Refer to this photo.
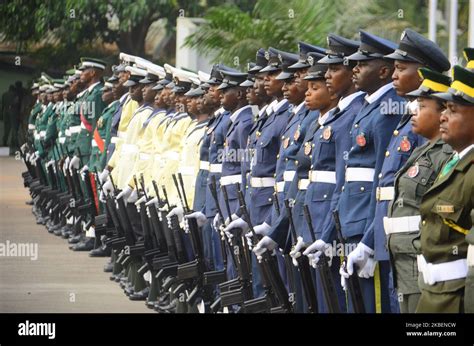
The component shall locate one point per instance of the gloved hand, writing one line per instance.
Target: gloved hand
(230, 219)
(125, 193)
(237, 223)
(23, 147)
(74, 163)
(178, 211)
(49, 163)
(133, 196)
(262, 229)
(201, 219)
(359, 256)
(266, 243)
(344, 277)
(140, 201)
(367, 271)
(216, 223)
(296, 250)
(66, 163)
(107, 188)
(315, 250)
(83, 169)
(27, 157)
(153, 201)
(104, 175)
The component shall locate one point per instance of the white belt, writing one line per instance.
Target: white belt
(83, 126)
(231, 179)
(129, 148)
(187, 170)
(37, 136)
(360, 174)
(215, 168)
(121, 134)
(402, 224)
(172, 155)
(204, 165)
(31, 126)
(280, 186)
(288, 175)
(62, 140)
(43, 133)
(385, 193)
(433, 273)
(94, 143)
(303, 184)
(75, 129)
(68, 133)
(144, 156)
(322, 177)
(114, 140)
(470, 255)
(262, 182)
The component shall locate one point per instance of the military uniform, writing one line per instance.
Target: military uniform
(446, 220)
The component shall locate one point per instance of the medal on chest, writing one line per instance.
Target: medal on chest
(327, 132)
(286, 142)
(361, 140)
(405, 144)
(297, 133)
(100, 122)
(307, 148)
(413, 171)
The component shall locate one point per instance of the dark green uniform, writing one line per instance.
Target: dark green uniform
(411, 182)
(469, 290)
(446, 219)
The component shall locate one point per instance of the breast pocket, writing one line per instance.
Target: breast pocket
(449, 212)
(266, 150)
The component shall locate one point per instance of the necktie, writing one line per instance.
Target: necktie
(449, 165)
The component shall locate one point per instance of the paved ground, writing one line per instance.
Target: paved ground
(60, 280)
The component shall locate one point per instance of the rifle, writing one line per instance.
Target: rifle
(303, 267)
(175, 229)
(127, 225)
(329, 289)
(156, 222)
(268, 263)
(353, 285)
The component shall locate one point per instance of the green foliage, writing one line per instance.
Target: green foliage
(234, 35)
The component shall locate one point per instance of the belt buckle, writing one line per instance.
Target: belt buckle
(378, 193)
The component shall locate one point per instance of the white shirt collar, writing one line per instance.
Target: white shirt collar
(280, 104)
(298, 108)
(81, 93)
(89, 89)
(236, 114)
(262, 111)
(123, 97)
(465, 151)
(346, 101)
(379, 93)
(219, 111)
(322, 118)
(271, 106)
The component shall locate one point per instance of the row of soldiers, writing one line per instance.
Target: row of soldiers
(338, 179)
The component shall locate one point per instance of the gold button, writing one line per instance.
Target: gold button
(274, 175)
(380, 175)
(310, 156)
(313, 145)
(320, 136)
(246, 186)
(278, 156)
(325, 196)
(395, 133)
(296, 161)
(269, 199)
(362, 188)
(387, 153)
(282, 137)
(342, 188)
(356, 126)
(286, 159)
(311, 166)
(423, 222)
(398, 149)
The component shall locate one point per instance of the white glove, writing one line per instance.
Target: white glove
(296, 251)
(216, 223)
(125, 193)
(367, 271)
(359, 256)
(133, 196)
(107, 188)
(262, 229)
(66, 163)
(237, 223)
(153, 201)
(201, 219)
(49, 163)
(104, 175)
(74, 163)
(27, 157)
(230, 219)
(140, 201)
(344, 277)
(37, 154)
(84, 168)
(315, 250)
(102, 197)
(266, 243)
(178, 211)
(23, 147)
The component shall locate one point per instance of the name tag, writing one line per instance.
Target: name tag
(445, 208)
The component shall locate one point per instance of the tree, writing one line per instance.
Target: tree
(234, 35)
